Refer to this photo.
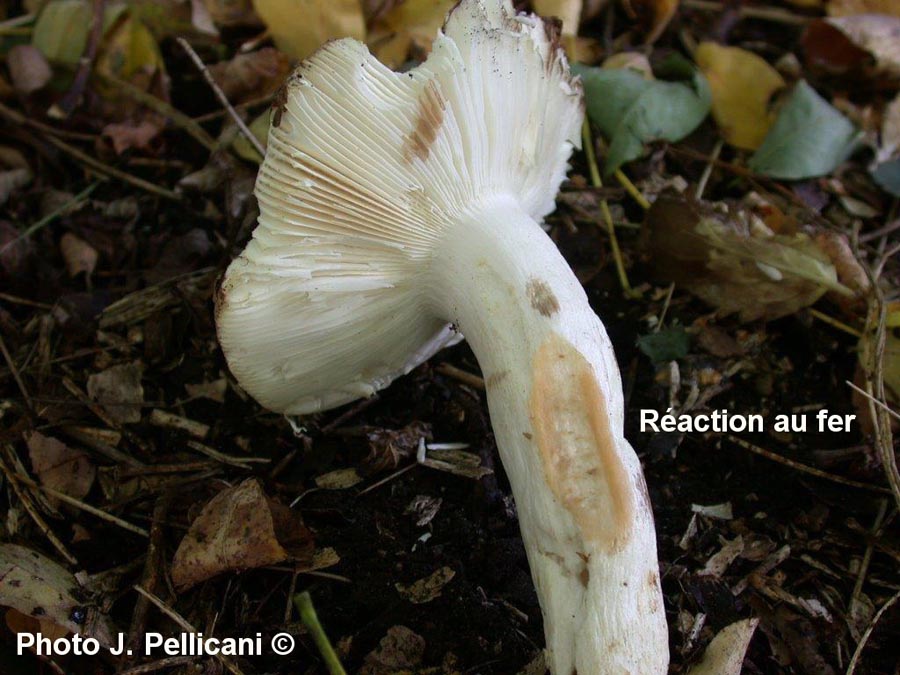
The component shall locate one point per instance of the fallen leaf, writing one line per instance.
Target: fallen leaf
(21, 623)
(59, 467)
(849, 7)
(339, 479)
(213, 390)
(670, 344)
(401, 649)
(232, 12)
(128, 135)
(717, 564)
(128, 49)
(424, 508)
(299, 27)
(12, 180)
(118, 390)
(28, 68)
(78, 255)
(61, 30)
(632, 61)
(251, 75)
(653, 15)
(389, 447)
(809, 138)
(742, 85)
(457, 462)
(567, 11)
(725, 654)
(237, 530)
(632, 111)
(427, 589)
(41, 588)
(409, 26)
(841, 43)
(886, 167)
(730, 259)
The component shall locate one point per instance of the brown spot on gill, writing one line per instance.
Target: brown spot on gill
(541, 297)
(584, 576)
(581, 462)
(429, 119)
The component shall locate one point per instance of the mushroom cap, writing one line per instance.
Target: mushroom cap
(366, 171)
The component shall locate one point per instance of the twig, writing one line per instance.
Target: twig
(254, 141)
(185, 122)
(185, 626)
(707, 171)
(95, 164)
(588, 143)
(459, 374)
(23, 496)
(15, 372)
(70, 100)
(812, 471)
(880, 404)
(304, 605)
(851, 668)
(69, 205)
(867, 556)
(16, 300)
(831, 321)
(631, 189)
(93, 510)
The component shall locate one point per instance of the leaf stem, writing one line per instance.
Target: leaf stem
(303, 603)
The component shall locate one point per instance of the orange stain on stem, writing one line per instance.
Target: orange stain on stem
(572, 433)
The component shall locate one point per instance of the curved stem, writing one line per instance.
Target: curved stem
(555, 398)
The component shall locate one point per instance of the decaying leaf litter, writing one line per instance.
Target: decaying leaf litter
(743, 184)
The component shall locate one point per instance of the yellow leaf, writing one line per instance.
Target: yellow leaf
(299, 27)
(742, 85)
(567, 11)
(410, 25)
(127, 49)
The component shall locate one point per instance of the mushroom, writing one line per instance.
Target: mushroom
(398, 210)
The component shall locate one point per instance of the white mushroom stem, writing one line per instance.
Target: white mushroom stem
(555, 399)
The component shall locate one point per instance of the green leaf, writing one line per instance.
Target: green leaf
(62, 27)
(887, 175)
(809, 138)
(666, 345)
(632, 111)
(260, 129)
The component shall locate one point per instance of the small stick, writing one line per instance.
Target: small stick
(70, 204)
(459, 374)
(70, 100)
(597, 182)
(16, 300)
(631, 189)
(15, 372)
(93, 510)
(867, 556)
(33, 512)
(851, 668)
(304, 605)
(812, 471)
(831, 321)
(183, 623)
(707, 171)
(254, 141)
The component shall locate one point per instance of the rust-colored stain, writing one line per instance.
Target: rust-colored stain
(429, 119)
(581, 464)
(541, 297)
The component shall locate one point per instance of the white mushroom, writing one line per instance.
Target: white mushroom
(396, 208)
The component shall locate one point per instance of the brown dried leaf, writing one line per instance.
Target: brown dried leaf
(213, 390)
(59, 467)
(339, 479)
(388, 447)
(845, 44)
(28, 68)
(733, 261)
(401, 649)
(725, 654)
(232, 12)
(12, 180)
(252, 75)
(138, 135)
(427, 589)
(118, 389)
(79, 255)
(238, 529)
